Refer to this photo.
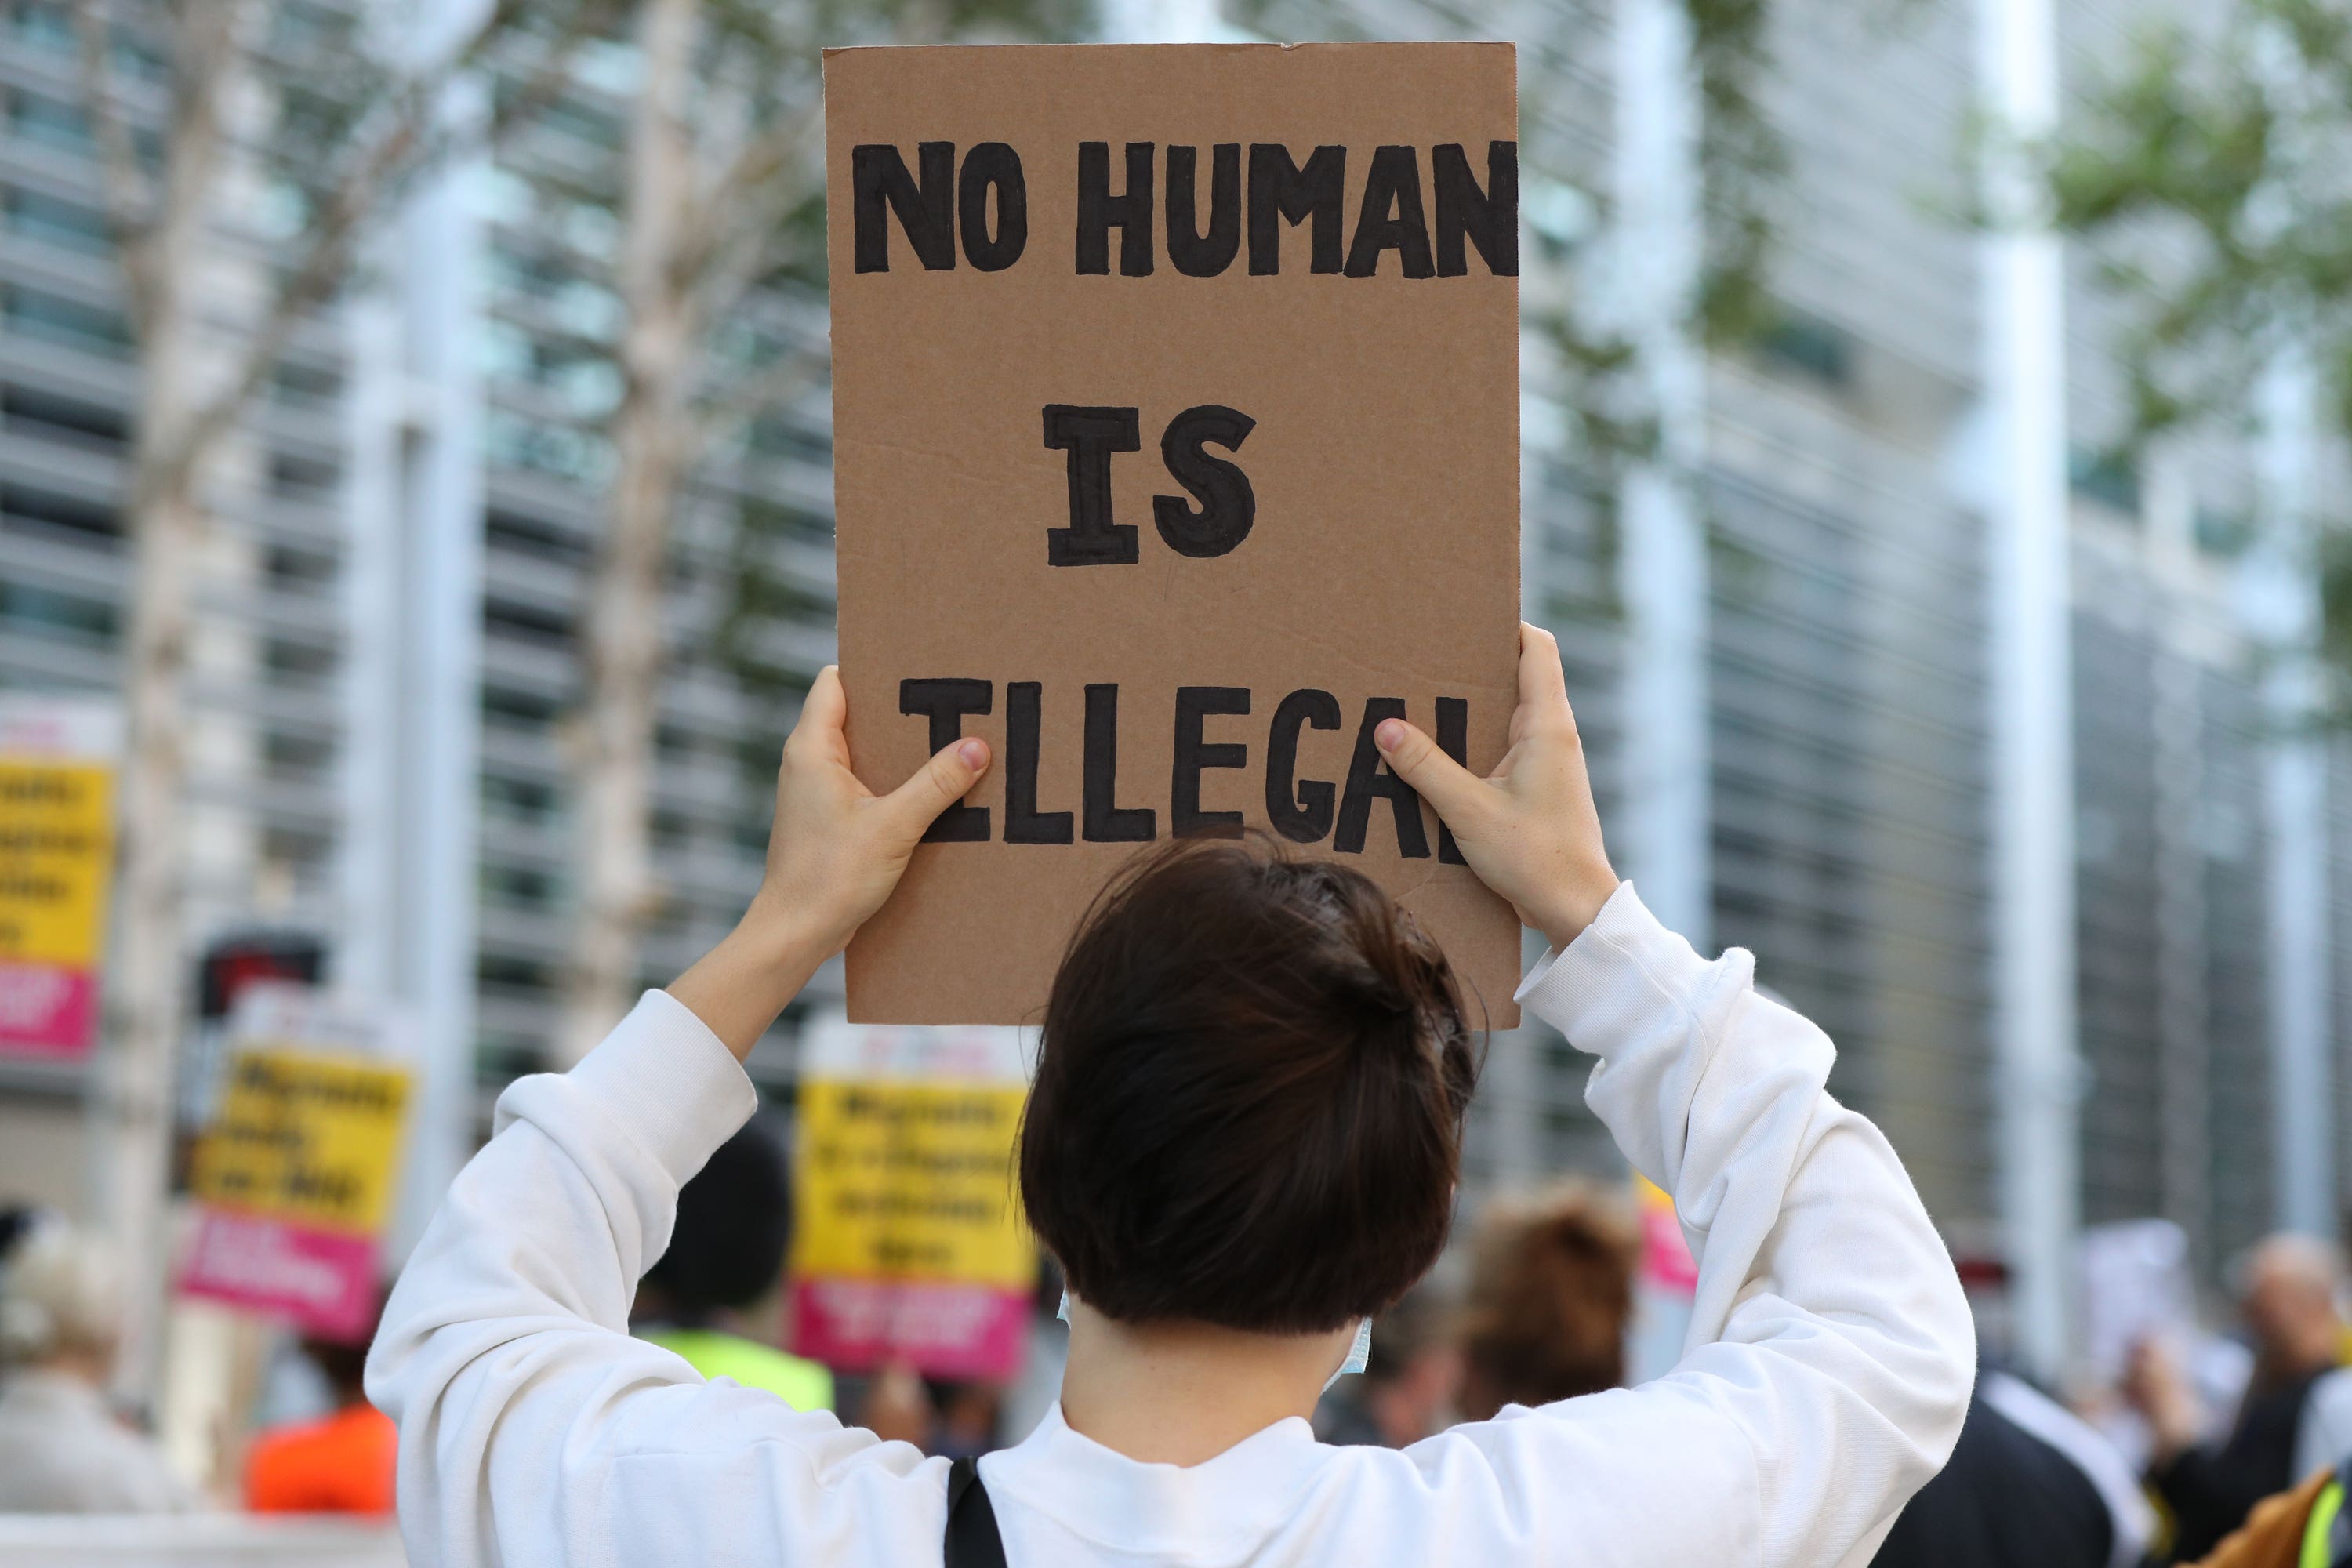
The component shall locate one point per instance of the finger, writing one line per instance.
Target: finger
(1543, 688)
(938, 783)
(825, 714)
(1446, 784)
(1540, 678)
(824, 710)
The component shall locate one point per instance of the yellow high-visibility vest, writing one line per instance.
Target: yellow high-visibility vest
(803, 1385)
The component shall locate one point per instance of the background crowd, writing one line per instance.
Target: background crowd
(2210, 1449)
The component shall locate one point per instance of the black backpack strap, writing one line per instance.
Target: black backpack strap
(971, 1538)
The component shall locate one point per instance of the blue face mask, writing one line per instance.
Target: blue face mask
(1360, 1354)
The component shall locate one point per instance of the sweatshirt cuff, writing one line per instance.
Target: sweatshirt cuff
(662, 1074)
(1607, 982)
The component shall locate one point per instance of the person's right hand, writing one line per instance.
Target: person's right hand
(835, 852)
(2156, 1382)
(837, 848)
(1530, 829)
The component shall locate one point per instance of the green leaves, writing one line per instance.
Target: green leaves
(2209, 174)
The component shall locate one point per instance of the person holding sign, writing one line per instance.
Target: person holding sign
(1243, 1141)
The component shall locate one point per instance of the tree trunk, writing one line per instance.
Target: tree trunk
(621, 636)
(163, 520)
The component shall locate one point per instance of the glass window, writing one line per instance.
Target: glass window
(43, 25)
(62, 418)
(49, 121)
(54, 222)
(58, 320)
(517, 709)
(25, 607)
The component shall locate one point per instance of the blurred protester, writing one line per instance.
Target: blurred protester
(2030, 1486)
(341, 1463)
(1409, 1382)
(1551, 1289)
(897, 1406)
(2296, 1417)
(966, 1427)
(960, 1418)
(726, 1256)
(61, 1448)
(2305, 1527)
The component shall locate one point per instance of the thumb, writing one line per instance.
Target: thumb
(1446, 784)
(938, 785)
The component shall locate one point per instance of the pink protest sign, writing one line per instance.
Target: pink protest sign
(943, 1330)
(294, 1170)
(47, 1011)
(1666, 1260)
(323, 1281)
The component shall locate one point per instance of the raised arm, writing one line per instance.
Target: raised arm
(1830, 1356)
(532, 1428)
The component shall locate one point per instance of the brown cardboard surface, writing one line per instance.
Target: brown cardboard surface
(1382, 560)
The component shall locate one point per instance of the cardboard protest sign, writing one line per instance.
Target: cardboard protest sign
(56, 853)
(1176, 444)
(907, 1241)
(294, 1174)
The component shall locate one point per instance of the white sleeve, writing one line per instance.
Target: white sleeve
(1830, 1352)
(532, 1428)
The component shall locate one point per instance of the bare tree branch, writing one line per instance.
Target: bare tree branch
(793, 372)
(718, 225)
(126, 188)
(408, 143)
(307, 287)
(590, 19)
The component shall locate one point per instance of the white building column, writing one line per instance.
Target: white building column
(2184, 1021)
(375, 404)
(2284, 603)
(415, 778)
(2038, 1069)
(1664, 844)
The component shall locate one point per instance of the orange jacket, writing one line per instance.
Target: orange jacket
(343, 1464)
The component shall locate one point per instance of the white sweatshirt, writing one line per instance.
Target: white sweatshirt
(1827, 1373)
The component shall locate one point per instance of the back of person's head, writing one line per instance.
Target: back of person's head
(1552, 1288)
(61, 1293)
(2290, 1287)
(734, 1221)
(342, 1360)
(1249, 1096)
(16, 1219)
(343, 1365)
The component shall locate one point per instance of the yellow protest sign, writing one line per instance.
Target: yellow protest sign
(310, 1137)
(910, 1180)
(57, 844)
(56, 852)
(909, 1243)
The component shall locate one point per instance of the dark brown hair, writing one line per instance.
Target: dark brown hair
(1551, 1285)
(1249, 1096)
